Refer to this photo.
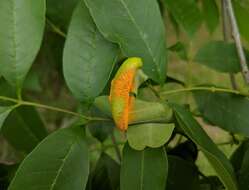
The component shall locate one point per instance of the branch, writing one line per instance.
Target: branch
(56, 29)
(236, 36)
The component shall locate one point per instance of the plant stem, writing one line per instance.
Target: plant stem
(56, 29)
(211, 89)
(38, 105)
(226, 35)
(236, 36)
(115, 143)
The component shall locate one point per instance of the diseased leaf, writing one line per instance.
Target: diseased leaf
(138, 172)
(230, 112)
(220, 56)
(186, 13)
(142, 111)
(151, 135)
(60, 162)
(88, 58)
(22, 25)
(138, 30)
(217, 159)
(24, 129)
(210, 14)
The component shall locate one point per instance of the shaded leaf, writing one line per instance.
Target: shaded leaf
(138, 172)
(180, 49)
(88, 58)
(220, 56)
(4, 112)
(182, 175)
(210, 14)
(151, 135)
(24, 129)
(186, 13)
(20, 20)
(59, 162)
(217, 159)
(230, 112)
(106, 174)
(129, 29)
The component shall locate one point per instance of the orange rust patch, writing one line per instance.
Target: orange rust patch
(120, 91)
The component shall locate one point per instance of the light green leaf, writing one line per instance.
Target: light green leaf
(4, 112)
(186, 13)
(151, 135)
(60, 162)
(220, 56)
(227, 111)
(21, 32)
(210, 14)
(88, 57)
(142, 111)
(241, 9)
(217, 159)
(144, 170)
(137, 27)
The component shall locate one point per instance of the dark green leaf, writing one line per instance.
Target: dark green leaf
(220, 56)
(106, 175)
(217, 159)
(151, 135)
(180, 49)
(182, 175)
(88, 57)
(22, 25)
(24, 129)
(60, 162)
(240, 160)
(241, 8)
(4, 112)
(210, 14)
(186, 13)
(228, 111)
(60, 12)
(144, 170)
(138, 30)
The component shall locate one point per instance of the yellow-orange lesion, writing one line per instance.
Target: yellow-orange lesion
(120, 96)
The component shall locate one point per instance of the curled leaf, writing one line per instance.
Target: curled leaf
(122, 87)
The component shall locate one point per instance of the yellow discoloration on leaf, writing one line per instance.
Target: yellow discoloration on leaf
(121, 86)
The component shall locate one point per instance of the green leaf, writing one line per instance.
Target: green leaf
(151, 135)
(106, 174)
(210, 14)
(88, 57)
(216, 158)
(230, 112)
(240, 160)
(182, 174)
(181, 50)
(59, 162)
(21, 32)
(144, 170)
(4, 112)
(220, 56)
(60, 12)
(24, 129)
(142, 111)
(186, 13)
(241, 9)
(138, 30)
